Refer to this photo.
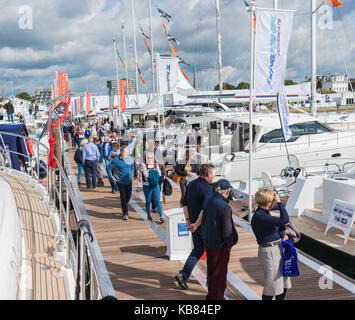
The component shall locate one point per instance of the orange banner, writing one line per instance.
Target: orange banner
(335, 3)
(88, 103)
(62, 84)
(123, 95)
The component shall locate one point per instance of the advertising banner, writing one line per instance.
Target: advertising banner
(283, 110)
(88, 102)
(62, 84)
(273, 32)
(122, 95)
(167, 69)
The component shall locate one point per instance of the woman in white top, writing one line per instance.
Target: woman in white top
(151, 188)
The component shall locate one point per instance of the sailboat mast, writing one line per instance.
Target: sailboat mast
(251, 98)
(135, 47)
(152, 46)
(125, 58)
(314, 58)
(218, 23)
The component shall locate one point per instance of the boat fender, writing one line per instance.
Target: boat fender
(228, 158)
(85, 224)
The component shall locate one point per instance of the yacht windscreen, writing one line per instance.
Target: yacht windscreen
(297, 129)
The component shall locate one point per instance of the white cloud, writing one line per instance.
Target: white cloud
(76, 36)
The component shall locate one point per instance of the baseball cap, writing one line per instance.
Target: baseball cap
(223, 184)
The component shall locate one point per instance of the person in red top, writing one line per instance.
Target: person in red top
(29, 145)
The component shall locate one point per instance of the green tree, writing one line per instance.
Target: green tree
(243, 85)
(289, 83)
(24, 96)
(226, 86)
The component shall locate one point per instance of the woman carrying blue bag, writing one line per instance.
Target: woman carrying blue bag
(150, 174)
(266, 230)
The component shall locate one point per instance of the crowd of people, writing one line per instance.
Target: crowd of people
(123, 156)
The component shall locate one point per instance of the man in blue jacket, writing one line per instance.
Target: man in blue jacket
(220, 235)
(197, 192)
(123, 172)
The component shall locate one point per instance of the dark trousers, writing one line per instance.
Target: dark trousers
(183, 186)
(217, 268)
(125, 195)
(196, 253)
(90, 170)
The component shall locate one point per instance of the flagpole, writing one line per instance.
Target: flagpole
(314, 58)
(152, 46)
(218, 23)
(135, 48)
(125, 58)
(252, 58)
(157, 62)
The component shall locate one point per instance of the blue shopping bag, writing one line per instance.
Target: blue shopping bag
(289, 259)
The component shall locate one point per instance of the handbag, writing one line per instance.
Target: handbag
(167, 188)
(176, 178)
(289, 259)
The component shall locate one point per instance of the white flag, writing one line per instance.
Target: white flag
(283, 109)
(273, 31)
(167, 69)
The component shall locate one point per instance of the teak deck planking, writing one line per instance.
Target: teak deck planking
(43, 281)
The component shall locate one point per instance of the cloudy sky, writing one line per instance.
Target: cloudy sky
(40, 37)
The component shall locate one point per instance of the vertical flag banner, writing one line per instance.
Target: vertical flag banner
(123, 95)
(273, 32)
(79, 105)
(62, 84)
(88, 103)
(167, 69)
(93, 104)
(283, 110)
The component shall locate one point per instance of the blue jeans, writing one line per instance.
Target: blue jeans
(10, 117)
(80, 171)
(151, 193)
(196, 253)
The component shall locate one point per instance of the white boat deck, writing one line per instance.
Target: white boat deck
(42, 271)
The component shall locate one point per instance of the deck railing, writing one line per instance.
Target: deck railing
(83, 255)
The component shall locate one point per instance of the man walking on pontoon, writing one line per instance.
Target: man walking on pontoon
(197, 193)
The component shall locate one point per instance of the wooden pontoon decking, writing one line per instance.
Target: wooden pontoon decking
(43, 279)
(139, 269)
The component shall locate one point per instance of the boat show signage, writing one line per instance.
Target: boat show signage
(167, 68)
(122, 86)
(341, 217)
(88, 102)
(273, 32)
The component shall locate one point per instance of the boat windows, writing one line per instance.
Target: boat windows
(298, 129)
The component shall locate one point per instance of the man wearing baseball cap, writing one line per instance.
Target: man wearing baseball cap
(220, 236)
